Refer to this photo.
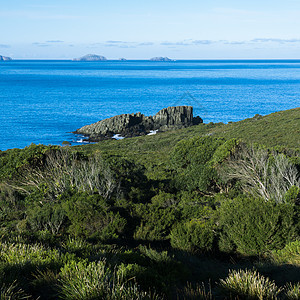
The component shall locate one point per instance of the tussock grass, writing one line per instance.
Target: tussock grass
(293, 291)
(250, 285)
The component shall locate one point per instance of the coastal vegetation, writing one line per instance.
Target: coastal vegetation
(205, 212)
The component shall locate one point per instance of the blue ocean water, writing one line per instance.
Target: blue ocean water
(44, 101)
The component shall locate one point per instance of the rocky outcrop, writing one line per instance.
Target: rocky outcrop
(161, 59)
(129, 125)
(2, 58)
(91, 57)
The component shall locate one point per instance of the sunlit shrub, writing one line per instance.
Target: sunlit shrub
(249, 285)
(190, 160)
(290, 254)
(253, 226)
(95, 280)
(22, 254)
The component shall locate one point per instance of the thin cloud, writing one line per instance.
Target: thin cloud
(55, 41)
(175, 44)
(272, 40)
(40, 44)
(146, 44)
(4, 46)
(235, 42)
(203, 42)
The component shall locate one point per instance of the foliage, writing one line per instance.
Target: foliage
(64, 170)
(156, 221)
(292, 291)
(194, 236)
(191, 161)
(197, 291)
(249, 285)
(253, 226)
(22, 254)
(290, 254)
(262, 174)
(95, 280)
(12, 292)
(75, 221)
(90, 217)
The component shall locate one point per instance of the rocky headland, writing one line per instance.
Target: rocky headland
(137, 124)
(5, 58)
(161, 59)
(90, 57)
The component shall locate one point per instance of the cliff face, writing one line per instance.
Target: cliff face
(129, 125)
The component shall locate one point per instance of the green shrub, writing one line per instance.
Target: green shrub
(191, 161)
(156, 221)
(90, 216)
(193, 205)
(194, 236)
(249, 285)
(290, 254)
(46, 216)
(254, 226)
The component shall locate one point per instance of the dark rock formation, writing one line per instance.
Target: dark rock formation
(129, 125)
(2, 58)
(160, 59)
(91, 57)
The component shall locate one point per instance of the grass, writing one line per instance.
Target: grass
(249, 285)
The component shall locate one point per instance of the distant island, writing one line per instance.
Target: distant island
(122, 59)
(2, 58)
(160, 58)
(91, 57)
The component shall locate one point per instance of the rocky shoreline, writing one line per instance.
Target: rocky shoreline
(137, 124)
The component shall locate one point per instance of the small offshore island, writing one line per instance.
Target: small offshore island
(95, 57)
(5, 58)
(137, 124)
(91, 57)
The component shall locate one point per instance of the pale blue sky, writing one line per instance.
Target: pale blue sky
(190, 29)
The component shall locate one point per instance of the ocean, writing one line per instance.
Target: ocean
(42, 102)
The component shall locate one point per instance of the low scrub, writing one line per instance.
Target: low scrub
(249, 285)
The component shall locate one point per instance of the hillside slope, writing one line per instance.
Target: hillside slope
(277, 129)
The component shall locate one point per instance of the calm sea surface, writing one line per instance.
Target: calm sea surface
(43, 101)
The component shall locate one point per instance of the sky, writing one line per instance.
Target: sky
(140, 29)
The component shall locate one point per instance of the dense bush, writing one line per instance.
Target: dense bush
(91, 217)
(253, 226)
(290, 254)
(191, 162)
(194, 236)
